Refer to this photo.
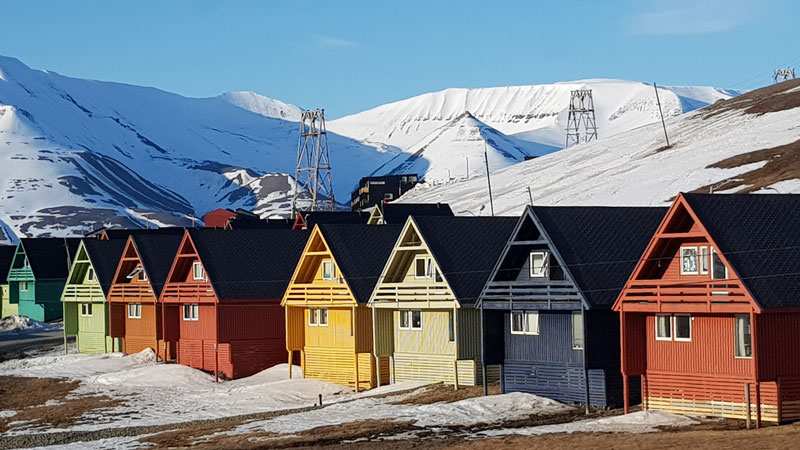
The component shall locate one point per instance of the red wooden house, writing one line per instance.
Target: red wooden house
(221, 302)
(134, 293)
(710, 316)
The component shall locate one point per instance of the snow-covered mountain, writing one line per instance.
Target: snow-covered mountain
(75, 154)
(750, 143)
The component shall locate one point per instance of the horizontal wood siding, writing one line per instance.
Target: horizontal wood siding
(252, 356)
(560, 381)
(710, 351)
(705, 395)
(334, 365)
(428, 368)
(92, 329)
(789, 391)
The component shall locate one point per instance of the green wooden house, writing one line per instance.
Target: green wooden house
(6, 255)
(38, 274)
(84, 296)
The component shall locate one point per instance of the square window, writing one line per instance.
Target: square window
(86, 309)
(525, 322)
(683, 327)
(134, 310)
(328, 271)
(191, 312)
(577, 330)
(742, 338)
(540, 264)
(689, 261)
(198, 274)
(663, 327)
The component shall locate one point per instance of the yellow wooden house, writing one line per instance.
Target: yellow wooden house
(327, 320)
(423, 307)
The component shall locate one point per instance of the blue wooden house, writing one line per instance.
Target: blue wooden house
(546, 307)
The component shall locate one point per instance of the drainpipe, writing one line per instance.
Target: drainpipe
(583, 355)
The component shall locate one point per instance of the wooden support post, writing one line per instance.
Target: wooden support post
(754, 337)
(291, 354)
(355, 343)
(455, 374)
(64, 315)
(747, 404)
(483, 354)
(216, 342)
(625, 394)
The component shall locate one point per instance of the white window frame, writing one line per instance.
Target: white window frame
(23, 286)
(86, 310)
(675, 328)
(90, 275)
(427, 262)
(696, 256)
(332, 272)
(25, 263)
(577, 324)
(313, 317)
(195, 266)
(736, 337)
(193, 310)
(711, 265)
(669, 327)
(409, 317)
(545, 270)
(525, 322)
(388, 196)
(323, 317)
(138, 274)
(703, 259)
(137, 311)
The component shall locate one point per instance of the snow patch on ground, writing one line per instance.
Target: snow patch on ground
(22, 324)
(638, 422)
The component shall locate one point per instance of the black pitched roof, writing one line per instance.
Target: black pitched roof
(123, 233)
(105, 256)
(399, 212)
(319, 217)
(466, 249)
(599, 245)
(248, 222)
(6, 258)
(760, 236)
(50, 258)
(157, 251)
(361, 252)
(249, 263)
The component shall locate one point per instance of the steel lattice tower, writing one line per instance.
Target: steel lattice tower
(313, 174)
(581, 125)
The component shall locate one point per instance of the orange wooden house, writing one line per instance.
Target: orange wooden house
(221, 302)
(710, 317)
(134, 293)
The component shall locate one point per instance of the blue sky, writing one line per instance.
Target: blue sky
(350, 56)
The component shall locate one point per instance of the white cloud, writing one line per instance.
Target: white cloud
(678, 17)
(329, 41)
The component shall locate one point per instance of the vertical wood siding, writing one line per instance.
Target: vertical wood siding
(384, 331)
(778, 345)
(634, 362)
(6, 307)
(710, 351)
(552, 344)
(469, 337)
(91, 330)
(432, 339)
(295, 328)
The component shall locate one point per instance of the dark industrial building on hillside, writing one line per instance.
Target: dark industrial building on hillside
(374, 190)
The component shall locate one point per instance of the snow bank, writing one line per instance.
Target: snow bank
(22, 324)
(638, 422)
(492, 408)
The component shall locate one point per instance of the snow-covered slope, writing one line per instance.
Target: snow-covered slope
(75, 154)
(747, 144)
(536, 113)
(448, 151)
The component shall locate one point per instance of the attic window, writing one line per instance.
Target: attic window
(540, 265)
(138, 274)
(423, 268)
(90, 275)
(328, 270)
(689, 261)
(718, 269)
(198, 274)
(25, 263)
(703, 260)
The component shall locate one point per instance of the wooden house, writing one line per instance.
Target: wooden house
(84, 297)
(6, 257)
(136, 287)
(375, 190)
(327, 318)
(397, 213)
(710, 316)
(547, 304)
(221, 303)
(38, 274)
(424, 310)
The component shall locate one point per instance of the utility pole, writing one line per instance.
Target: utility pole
(488, 177)
(313, 174)
(530, 195)
(466, 158)
(581, 118)
(663, 124)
